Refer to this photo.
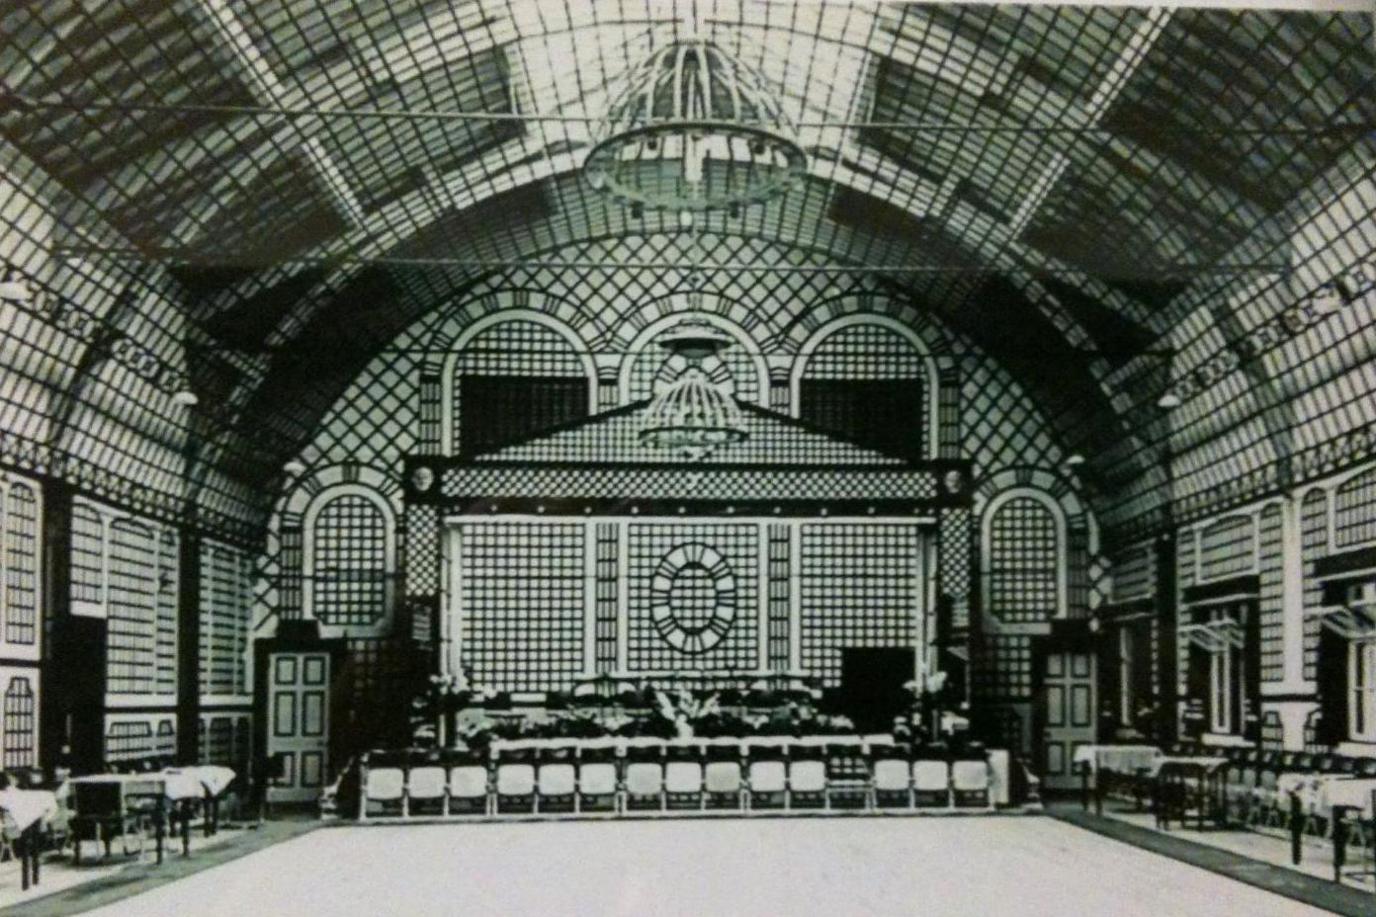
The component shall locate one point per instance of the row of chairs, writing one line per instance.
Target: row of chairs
(566, 780)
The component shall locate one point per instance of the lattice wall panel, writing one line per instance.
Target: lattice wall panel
(1314, 513)
(860, 588)
(422, 550)
(1024, 561)
(1354, 512)
(711, 596)
(1227, 548)
(349, 577)
(225, 619)
(956, 562)
(523, 599)
(20, 564)
(1271, 608)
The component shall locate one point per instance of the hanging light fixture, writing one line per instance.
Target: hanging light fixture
(693, 416)
(694, 128)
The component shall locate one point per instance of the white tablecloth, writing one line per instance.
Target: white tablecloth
(1207, 764)
(26, 807)
(1121, 759)
(1352, 792)
(197, 780)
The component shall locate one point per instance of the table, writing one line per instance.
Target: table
(28, 811)
(119, 799)
(1180, 772)
(1351, 795)
(1126, 761)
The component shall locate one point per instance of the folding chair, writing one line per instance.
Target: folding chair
(766, 776)
(683, 777)
(807, 777)
(644, 778)
(384, 788)
(468, 785)
(723, 778)
(556, 780)
(970, 783)
(931, 782)
(515, 781)
(597, 779)
(892, 776)
(427, 790)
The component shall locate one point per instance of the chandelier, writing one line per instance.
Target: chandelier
(693, 416)
(694, 128)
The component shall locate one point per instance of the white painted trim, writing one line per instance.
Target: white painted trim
(501, 518)
(1062, 543)
(762, 594)
(933, 376)
(589, 598)
(579, 346)
(636, 350)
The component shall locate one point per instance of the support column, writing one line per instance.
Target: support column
(189, 647)
(1167, 688)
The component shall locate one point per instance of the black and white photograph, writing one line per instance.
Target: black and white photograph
(699, 458)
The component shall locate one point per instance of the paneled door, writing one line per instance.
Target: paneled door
(1068, 690)
(298, 723)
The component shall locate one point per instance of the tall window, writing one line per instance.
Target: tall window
(1220, 690)
(1025, 557)
(1361, 682)
(19, 562)
(1125, 676)
(18, 724)
(349, 560)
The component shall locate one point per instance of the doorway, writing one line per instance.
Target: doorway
(1069, 703)
(298, 724)
(872, 680)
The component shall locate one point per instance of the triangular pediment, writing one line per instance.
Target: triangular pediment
(612, 437)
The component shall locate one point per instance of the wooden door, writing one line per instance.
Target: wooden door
(1068, 692)
(298, 723)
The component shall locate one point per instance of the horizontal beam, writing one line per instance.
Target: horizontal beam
(17, 100)
(180, 258)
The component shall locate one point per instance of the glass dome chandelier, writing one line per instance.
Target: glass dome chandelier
(693, 416)
(693, 128)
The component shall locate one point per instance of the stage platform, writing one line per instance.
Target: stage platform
(979, 866)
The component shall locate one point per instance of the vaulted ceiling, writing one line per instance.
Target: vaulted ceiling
(1040, 176)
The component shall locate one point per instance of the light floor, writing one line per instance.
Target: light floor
(931, 866)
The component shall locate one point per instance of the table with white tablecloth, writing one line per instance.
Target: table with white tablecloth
(24, 815)
(1119, 759)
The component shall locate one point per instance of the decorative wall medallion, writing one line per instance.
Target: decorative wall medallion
(422, 478)
(953, 481)
(693, 598)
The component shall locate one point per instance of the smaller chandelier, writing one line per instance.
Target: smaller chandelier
(693, 416)
(694, 128)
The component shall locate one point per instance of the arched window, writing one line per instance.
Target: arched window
(513, 378)
(868, 381)
(1024, 557)
(19, 739)
(348, 557)
(21, 566)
